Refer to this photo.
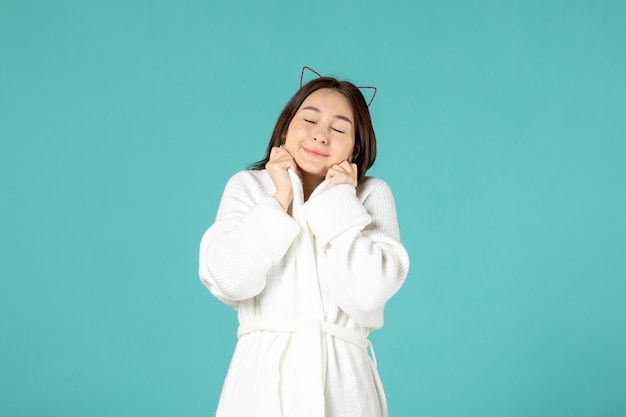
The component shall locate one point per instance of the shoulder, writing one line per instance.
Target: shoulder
(250, 179)
(244, 190)
(374, 187)
(375, 192)
(250, 175)
(374, 183)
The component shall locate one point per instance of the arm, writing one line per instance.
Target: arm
(250, 234)
(359, 234)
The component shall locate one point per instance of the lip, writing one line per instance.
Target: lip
(314, 152)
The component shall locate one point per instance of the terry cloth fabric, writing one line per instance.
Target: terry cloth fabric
(308, 287)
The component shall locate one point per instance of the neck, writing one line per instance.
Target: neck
(309, 183)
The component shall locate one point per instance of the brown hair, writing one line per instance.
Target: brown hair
(364, 137)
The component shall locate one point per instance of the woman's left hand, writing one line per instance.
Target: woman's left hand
(343, 173)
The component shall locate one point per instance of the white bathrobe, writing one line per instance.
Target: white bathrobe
(308, 286)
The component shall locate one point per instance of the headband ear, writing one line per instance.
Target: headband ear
(310, 69)
(361, 87)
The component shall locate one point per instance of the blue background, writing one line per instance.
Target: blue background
(501, 130)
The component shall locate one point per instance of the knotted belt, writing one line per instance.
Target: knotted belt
(307, 338)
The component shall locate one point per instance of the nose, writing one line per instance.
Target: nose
(320, 136)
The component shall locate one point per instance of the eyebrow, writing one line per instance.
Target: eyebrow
(338, 116)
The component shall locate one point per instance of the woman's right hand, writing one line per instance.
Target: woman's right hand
(280, 161)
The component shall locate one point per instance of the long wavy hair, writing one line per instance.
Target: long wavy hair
(364, 153)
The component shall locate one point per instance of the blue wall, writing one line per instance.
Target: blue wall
(501, 130)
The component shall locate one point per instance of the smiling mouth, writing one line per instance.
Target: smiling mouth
(314, 153)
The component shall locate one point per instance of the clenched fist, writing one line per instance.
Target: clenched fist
(280, 161)
(343, 173)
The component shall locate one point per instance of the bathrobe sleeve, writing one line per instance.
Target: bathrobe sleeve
(358, 231)
(250, 234)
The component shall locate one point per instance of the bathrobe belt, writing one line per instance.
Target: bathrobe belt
(307, 339)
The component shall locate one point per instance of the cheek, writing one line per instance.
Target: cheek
(347, 149)
(295, 133)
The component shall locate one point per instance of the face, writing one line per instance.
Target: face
(321, 134)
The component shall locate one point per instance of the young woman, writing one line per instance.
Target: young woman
(306, 248)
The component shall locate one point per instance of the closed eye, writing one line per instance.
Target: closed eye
(338, 131)
(309, 121)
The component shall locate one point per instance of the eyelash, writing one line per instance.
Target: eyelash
(336, 130)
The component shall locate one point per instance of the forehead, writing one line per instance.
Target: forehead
(328, 100)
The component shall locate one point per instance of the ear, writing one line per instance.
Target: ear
(355, 151)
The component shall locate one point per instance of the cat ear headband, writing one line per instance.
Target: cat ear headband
(359, 87)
